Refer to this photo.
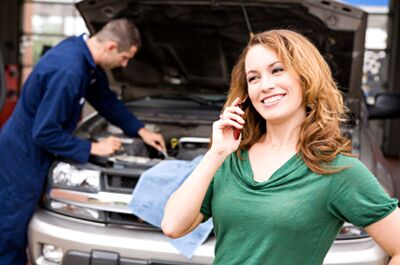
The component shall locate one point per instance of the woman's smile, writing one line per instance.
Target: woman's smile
(273, 99)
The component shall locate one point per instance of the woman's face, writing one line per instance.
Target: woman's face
(275, 92)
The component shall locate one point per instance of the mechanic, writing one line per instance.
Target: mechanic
(46, 115)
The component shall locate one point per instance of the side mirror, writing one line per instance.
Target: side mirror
(387, 106)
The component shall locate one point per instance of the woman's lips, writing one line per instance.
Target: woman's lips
(273, 99)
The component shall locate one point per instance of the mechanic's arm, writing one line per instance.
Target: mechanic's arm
(386, 232)
(105, 101)
(55, 116)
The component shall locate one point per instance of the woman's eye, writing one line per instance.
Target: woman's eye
(277, 70)
(251, 78)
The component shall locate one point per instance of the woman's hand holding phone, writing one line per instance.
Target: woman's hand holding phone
(226, 130)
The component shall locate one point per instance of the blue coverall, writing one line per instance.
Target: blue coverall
(40, 129)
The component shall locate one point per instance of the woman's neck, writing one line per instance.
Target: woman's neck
(284, 131)
(282, 134)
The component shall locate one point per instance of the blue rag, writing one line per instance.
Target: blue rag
(151, 193)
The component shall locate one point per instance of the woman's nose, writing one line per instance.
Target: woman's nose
(267, 83)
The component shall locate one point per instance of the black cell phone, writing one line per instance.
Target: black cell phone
(243, 106)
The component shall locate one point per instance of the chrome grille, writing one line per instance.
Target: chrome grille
(125, 184)
(128, 219)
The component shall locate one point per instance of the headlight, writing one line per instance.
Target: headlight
(69, 176)
(75, 211)
(350, 231)
(76, 182)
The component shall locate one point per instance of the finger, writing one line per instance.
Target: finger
(115, 147)
(223, 124)
(157, 146)
(228, 115)
(159, 141)
(162, 145)
(234, 109)
(118, 147)
(236, 102)
(234, 116)
(112, 138)
(117, 140)
(162, 148)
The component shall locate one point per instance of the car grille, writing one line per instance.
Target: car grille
(123, 184)
(114, 218)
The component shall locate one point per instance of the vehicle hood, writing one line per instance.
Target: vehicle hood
(191, 46)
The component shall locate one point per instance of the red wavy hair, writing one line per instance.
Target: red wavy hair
(320, 136)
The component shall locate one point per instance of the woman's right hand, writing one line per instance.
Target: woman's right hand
(223, 140)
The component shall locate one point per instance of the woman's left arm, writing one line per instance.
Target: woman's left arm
(386, 232)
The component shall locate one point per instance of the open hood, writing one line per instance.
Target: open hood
(194, 44)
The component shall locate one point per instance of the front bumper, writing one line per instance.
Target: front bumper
(88, 243)
(73, 235)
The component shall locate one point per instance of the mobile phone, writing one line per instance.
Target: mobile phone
(236, 133)
(243, 106)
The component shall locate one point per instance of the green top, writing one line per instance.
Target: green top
(293, 217)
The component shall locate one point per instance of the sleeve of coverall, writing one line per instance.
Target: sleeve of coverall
(54, 110)
(105, 101)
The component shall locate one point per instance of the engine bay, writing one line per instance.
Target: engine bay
(182, 143)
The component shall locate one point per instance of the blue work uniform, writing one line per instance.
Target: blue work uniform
(41, 128)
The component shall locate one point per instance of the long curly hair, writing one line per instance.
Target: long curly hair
(320, 136)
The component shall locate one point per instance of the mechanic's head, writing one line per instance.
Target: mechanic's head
(119, 41)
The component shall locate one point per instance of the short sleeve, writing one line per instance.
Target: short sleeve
(356, 195)
(206, 209)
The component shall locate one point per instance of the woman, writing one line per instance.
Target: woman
(292, 181)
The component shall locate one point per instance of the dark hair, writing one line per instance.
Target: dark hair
(123, 31)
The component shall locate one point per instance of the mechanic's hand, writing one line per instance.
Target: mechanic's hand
(153, 139)
(106, 146)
